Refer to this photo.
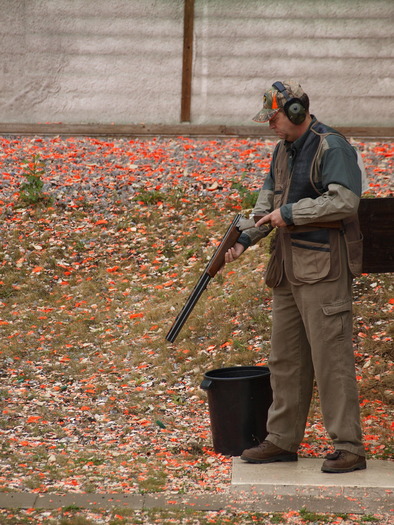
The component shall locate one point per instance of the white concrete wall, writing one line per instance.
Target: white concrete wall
(340, 51)
(91, 61)
(120, 61)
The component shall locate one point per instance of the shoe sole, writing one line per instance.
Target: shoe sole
(343, 470)
(274, 459)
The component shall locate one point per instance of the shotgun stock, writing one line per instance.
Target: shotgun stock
(229, 239)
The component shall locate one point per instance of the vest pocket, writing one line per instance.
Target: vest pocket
(311, 262)
(274, 272)
(354, 245)
(355, 256)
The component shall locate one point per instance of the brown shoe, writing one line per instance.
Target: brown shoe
(267, 452)
(343, 461)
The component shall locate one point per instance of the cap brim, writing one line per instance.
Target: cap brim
(265, 115)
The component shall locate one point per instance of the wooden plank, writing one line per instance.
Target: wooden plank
(366, 131)
(377, 226)
(184, 129)
(187, 63)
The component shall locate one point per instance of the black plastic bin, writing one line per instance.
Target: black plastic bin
(238, 399)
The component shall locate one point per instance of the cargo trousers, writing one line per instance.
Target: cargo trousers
(312, 340)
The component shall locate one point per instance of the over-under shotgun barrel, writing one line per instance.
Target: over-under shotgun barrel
(229, 239)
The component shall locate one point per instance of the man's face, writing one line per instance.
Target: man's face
(283, 127)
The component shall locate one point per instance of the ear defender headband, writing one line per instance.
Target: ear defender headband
(293, 108)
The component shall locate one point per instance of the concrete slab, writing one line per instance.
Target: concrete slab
(306, 472)
(84, 501)
(293, 485)
(275, 487)
(17, 500)
(204, 502)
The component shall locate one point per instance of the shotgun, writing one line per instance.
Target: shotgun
(217, 261)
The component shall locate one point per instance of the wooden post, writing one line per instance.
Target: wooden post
(187, 65)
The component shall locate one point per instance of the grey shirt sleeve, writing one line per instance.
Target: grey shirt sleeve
(335, 204)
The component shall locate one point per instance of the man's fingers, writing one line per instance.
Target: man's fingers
(233, 253)
(228, 256)
(263, 220)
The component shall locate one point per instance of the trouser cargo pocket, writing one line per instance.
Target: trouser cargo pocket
(337, 320)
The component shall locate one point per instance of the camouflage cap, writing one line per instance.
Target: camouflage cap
(274, 100)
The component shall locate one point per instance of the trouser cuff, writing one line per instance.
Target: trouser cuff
(281, 444)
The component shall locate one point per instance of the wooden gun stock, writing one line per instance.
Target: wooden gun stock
(217, 261)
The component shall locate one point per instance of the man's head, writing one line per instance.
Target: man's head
(286, 108)
(288, 96)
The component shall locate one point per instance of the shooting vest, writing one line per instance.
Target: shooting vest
(309, 254)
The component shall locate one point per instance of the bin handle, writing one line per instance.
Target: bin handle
(206, 384)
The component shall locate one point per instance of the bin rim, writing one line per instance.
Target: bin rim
(255, 371)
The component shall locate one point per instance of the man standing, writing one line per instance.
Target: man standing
(310, 196)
